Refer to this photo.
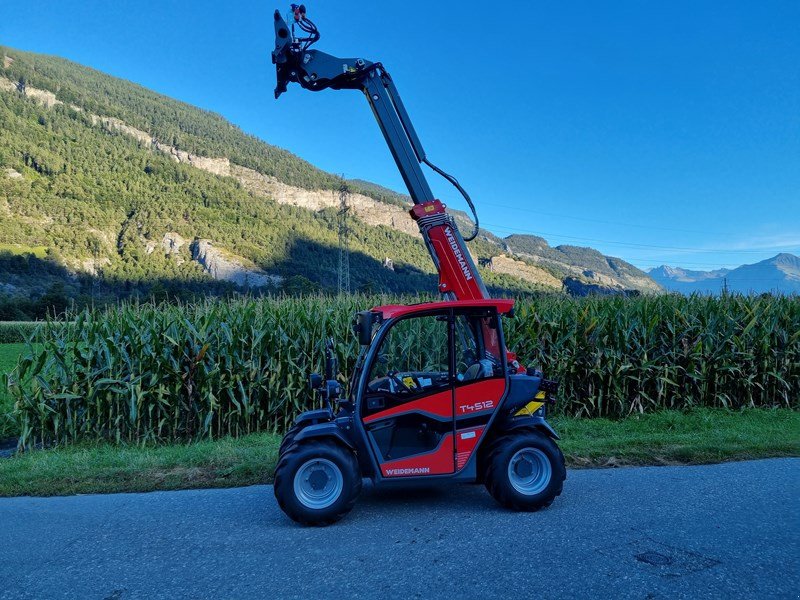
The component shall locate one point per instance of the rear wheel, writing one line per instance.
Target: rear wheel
(524, 470)
(317, 482)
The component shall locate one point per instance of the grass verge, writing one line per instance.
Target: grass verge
(699, 436)
(668, 437)
(106, 468)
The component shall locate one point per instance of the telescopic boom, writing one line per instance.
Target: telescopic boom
(314, 70)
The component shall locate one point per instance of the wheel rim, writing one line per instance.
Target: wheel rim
(318, 483)
(529, 471)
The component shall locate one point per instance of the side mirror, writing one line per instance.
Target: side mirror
(362, 327)
(315, 381)
(331, 364)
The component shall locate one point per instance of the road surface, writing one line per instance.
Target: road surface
(719, 531)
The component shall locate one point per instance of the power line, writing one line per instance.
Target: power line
(660, 261)
(589, 220)
(626, 244)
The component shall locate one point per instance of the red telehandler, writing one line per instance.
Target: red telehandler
(435, 395)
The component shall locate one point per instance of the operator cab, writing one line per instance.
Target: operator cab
(414, 355)
(432, 378)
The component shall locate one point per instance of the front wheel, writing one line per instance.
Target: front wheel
(288, 439)
(317, 482)
(524, 470)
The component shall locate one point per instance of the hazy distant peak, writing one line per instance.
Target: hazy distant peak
(781, 273)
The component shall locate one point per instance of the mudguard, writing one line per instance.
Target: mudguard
(324, 430)
(322, 415)
(535, 422)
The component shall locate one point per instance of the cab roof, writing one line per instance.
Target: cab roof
(391, 311)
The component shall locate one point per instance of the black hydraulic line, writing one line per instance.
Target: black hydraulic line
(454, 181)
(408, 127)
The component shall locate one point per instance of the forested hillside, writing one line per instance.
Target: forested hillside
(169, 121)
(107, 190)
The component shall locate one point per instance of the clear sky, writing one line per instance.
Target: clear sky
(659, 132)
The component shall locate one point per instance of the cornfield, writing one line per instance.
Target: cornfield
(141, 374)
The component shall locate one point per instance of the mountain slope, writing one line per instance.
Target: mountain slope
(581, 263)
(781, 273)
(123, 187)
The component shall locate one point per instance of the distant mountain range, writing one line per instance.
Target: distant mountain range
(781, 273)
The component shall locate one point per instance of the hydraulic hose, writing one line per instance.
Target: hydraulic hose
(454, 181)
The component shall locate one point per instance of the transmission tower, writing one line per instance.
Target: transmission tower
(344, 238)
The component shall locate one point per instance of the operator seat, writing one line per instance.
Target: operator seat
(479, 370)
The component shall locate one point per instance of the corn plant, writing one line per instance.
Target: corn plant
(144, 373)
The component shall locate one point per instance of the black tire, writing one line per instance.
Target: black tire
(298, 455)
(288, 439)
(497, 478)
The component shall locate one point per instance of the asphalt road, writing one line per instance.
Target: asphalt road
(718, 531)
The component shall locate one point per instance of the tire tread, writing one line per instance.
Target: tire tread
(494, 470)
(284, 486)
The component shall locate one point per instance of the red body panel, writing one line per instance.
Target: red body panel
(466, 440)
(437, 462)
(455, 273)
(439, 404)
(478, 400)
(480, 397)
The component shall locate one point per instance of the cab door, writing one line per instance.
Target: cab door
(480, 377)
(408, 404)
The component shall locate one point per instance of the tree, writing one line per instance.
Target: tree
(298, 285)
(55, 302)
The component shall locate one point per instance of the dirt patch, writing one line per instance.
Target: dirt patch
(45, 97)
(224, 266)
(369, 210)
(526, 272)
(112, 124)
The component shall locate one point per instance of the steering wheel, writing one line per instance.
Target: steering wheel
(393, 376)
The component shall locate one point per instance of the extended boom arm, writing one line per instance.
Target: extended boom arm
(315, 71)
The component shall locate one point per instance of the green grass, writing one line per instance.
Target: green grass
(673, 437)
(19, 249)
(9, 353)
(106, 468)
(669, 437)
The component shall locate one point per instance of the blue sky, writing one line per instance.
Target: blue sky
(658, 132)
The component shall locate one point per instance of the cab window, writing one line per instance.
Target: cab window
(413, 357)
(477, 347)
